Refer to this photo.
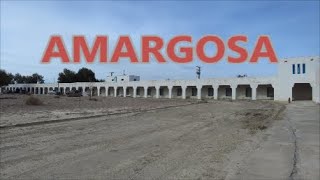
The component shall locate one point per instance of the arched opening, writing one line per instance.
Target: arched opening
(87, 91)
(80, 89)
(120, 91)
(265, 91)
(191, 92)
(207, 91)
(176, 92)
(140, 91)
(102, 91)
(164, 92)
(129, 91)
(45, 90)
(111, 91)
(61, 90)
(151, 91)
(224, 92)
(68, 90)
(41, 90)
(17, 90)
(94, 91)
(243, 91)
(301, 91)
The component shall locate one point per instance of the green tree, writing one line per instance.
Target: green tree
(86, 75)
(34, 78)
(67, 76)
(19, 78)
(5, 78)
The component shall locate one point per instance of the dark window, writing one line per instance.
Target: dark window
(161, 92)
(248, 92)
(122, 79)
(303, 68)
(270, 92)
(138, 92)
(298, 69)
(210, 91)
(134, 79)
(293, 68)
(179, 92)
(194, 91)
(149, 92)
(228, 92)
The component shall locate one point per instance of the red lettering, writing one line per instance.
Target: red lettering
(146, 49)
(232, 44)
(186, 50)
(220, 49)
(50, 53)
(79, 43)
(269, 53)
(129, 53)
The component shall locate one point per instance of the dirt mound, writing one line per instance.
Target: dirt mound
(31, 100)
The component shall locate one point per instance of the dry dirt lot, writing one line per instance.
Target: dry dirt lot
(126, 138)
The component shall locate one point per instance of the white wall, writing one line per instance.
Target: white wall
(286, 78)
(282, 82)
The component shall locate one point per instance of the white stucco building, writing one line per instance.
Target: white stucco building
(297, 79)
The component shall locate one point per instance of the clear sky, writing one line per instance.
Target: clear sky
(27, 26)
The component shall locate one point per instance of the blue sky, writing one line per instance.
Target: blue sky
(26, 27)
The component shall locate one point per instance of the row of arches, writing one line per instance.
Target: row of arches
(300, 91)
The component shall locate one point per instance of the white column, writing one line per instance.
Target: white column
(157, 92)
(254, 91)
(98, 90)
(234, 91)
(290, 93)
(215, 92)
(199, 92)
(115, 91)
(170, 92)
(83, 90)
(184, 88)
(124, 91)
(134, 92)
(107, 90)
(145, 92)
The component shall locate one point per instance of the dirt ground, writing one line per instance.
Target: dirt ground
(126, 138)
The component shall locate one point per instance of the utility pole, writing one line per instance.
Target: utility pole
(198, 71)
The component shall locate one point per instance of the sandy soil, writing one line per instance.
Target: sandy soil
(13, 107)
(189, 140)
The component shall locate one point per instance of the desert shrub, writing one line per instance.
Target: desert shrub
(93, 99)
(31, 100)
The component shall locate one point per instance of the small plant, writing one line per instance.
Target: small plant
(93, 99)
(34, 101)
